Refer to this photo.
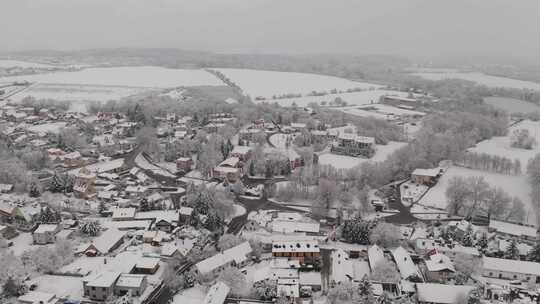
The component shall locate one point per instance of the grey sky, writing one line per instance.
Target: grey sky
(423, 27)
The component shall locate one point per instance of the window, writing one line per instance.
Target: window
(93, 288)
(491, 274)
(537, 280)
(515, 276)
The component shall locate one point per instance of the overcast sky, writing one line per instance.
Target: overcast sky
(422, 27)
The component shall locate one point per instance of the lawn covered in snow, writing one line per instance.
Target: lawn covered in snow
(353, 99)
(77, 93)
(347, 162)
(193, 295)
(512, 105)
(380, 111)
(6, 63)
(135, 76)
(517, 186)
(482, 79)
(501, 145)
(259, 83)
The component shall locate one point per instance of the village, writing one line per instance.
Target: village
(221, 207)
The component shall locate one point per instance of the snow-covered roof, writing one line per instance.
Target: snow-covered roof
(130, 280)
(426, 172)
(440, 293)
(241, 150)
(46, 228)
(356, 138)
(217, 294)
(123, 213)
(168, 215)
(286, 226)
(310, 278)
(106, 241)
(101, 167)
(185, 210)
(295, 246)
(35, 297)
(103, 279)
(239, 253)
(375, 256)
(230, 162)
(439, 262)
(512, 266)
(147, 263)
(513, 229)
(405, 264)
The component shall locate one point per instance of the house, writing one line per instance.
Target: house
(310, 280)
(405, 264)
(451, 250)
(105, 243)
(45, 233)
(100, 287)
(164, 225)
(237, 256)
(307, 252)
(217, 294)
(429, 293)
(184, 215)
(291, 226)
(354, 145)
(147, 265)
(426, 177)
(375, 256)
(184, 164)
(241, 152)
(135, 284)
(289, 287)
(438, 268)
(511, 270)
(508, 229)
(6, 188)
(123, 214)
(72, 159)
(38, 297)
(229, 169)
(83, 187)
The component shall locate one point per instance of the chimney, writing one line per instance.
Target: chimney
(105, 261)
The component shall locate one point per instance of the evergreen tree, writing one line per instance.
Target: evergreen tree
(534, 254)
(356, 231)
(101, 208)
(512, 251)
(56, 183)
(144, 205)
(483, 242)
(288, 169)
(11, 288)
(34, 190)
(251, 168)
(366, 290)
(467, 240)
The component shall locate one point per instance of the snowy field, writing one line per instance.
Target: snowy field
(140, 77)
(353, 99)
(5, 63)
(501, 145)
(517, 186)
(347, 162)
(512, 105)
(259, 83)
(482, 79)
(380, 111)
(77, 93)
(62, 286)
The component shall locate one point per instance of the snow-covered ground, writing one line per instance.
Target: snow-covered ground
(143, 163)
(380, 111)
(6, 63)
(194, 295)
(501, 145)
(512, 105)
(77, 93)
(347, 162)
(483, 79)
(67, 287)
(259, 83)
(517, 186)
(279, 140)
(353, 99)
(47, 128)
(411, 192)
(24, 242)
(140, 77)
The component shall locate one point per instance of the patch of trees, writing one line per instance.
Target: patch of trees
(489, 162)
(473, 195)
(366, 232)
(522, 139)
(211, 207)
(533, 172)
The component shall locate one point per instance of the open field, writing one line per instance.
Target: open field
(512, 105)
(352, 99)
(77, 93)
(259, 83)
(380, 111)
(482, 79)
(501, 145)
(140, 77)
(6, 63)
(347, 162)
(517, 186)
